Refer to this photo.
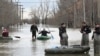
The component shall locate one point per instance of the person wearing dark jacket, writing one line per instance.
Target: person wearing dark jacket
(96, 38)
(85, 30)
(62, 29)
(63, 34)
(34, 29)
(44, 32)
(96, 30)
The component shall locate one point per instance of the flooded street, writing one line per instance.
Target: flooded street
(24, 46)
(79, 16)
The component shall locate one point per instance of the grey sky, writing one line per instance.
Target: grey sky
(28, 4)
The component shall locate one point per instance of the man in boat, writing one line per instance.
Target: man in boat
(85, 30)
(5, 33)
(34, 29)
(63, 35)
(44, 32)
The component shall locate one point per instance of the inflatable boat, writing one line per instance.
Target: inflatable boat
(74, 49)
(67, 55)
(6, 38)
(43, 37)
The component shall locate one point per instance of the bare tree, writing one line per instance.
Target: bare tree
(42, 12)
(8, 13)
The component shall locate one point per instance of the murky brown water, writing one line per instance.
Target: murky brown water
(26, 47)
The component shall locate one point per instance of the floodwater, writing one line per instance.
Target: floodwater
(24, 46)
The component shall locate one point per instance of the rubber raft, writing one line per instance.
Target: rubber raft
(6, 38)
(75, 49)
(43, 37)
(67, 55)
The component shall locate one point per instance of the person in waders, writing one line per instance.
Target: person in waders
(96, 38)
(85, 30)
(63, 35)
(34, 29)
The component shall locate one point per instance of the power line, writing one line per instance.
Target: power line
(39, 2)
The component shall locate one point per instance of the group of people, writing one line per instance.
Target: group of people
(34, 29)
(85, 30)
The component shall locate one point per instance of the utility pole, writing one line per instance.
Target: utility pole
(17, 10)
(22, 14)
(92, 13)
(11, 14)
(84, 11)
(96, 6)
(17, 3)
(11, 1)
(75, 1)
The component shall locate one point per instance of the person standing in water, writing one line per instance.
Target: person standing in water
(34, 29)
(96, 38)
(85, 30)
(63, 35)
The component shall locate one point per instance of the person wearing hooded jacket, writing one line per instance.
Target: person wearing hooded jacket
(96, 38)
(63, 35)
(85, 30)
(34, 29)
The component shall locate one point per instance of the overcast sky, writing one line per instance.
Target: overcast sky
(28, 4)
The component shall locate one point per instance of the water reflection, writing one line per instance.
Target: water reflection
(4, 48)
(4, 54)
(26, 47)
(5, 41)
(97, 50)
(96, 54)
(70, 55)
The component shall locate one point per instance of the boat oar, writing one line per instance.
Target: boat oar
(52, 37)
(17, 36)
(50, 33)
